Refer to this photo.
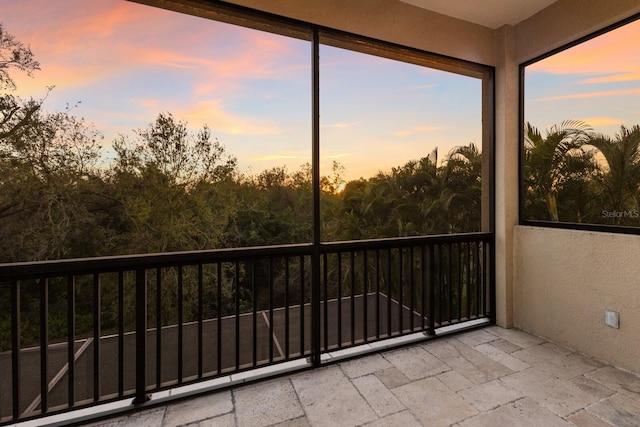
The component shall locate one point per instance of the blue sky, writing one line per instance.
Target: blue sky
(597, 82)
(126, 63)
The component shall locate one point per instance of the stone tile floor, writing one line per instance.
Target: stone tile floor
(486, 377)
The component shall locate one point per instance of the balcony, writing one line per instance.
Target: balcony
(485, 377)
(350, 333)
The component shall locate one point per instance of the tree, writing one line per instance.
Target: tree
(170, 187)
(619, 178)
(554, 161)
(48, 171)
(14, 113)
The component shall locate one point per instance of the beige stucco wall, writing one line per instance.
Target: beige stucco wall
(565, 279)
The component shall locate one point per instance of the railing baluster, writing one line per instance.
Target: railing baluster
(44, 344)
(120, 333)
(468, 278)
(485, 279)
(237, 319)
(15, 347)
(353, 300)
(180, 323)
(96, 337)
(158, 328)
(302, 305)
(423, 285)
(325, 275)
(286, 307)
(254, 314)
(377, 293)
(271, 334)
(439, 284)
(339, 259)
(400, 289)
(412, 289)
(431, 289)
(460, 279)
(71, 340)
(200, 316)
(479, 281)
(389, 293)
(141, 337)
(365, 285)
(219, 326)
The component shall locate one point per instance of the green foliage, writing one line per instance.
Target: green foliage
(574, 175)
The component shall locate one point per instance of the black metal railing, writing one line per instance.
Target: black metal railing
(87, 331)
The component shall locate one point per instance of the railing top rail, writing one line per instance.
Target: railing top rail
(396, 242)
(131, 262)
(80, 266)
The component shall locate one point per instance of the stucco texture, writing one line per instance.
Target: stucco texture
(564, 280)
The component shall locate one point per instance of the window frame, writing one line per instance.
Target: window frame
(521, 151)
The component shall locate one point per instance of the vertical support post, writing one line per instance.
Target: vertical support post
(141, 337)
(315, 165)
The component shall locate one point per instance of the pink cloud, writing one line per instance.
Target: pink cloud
(213, 114)
(616, 52)
(585, 95)
(602, 121)
(616, 78)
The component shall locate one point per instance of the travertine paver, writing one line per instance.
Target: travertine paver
(403, 419)
(583, 418)
(619, 410)
(329, 398)
(522, 413)
(392, 377)
(501, 357)
(490, 377)
(474, 338)
(557, 361)
(199, 408)
(266, 403)
(433, 404)
(415, 363)
(477, 367)
(227, 420)
(455, 381)
(505, 345)
(617, 380)
(364, 365)
(381, 400)
(490, 395)
(443, 349)
(558, 396)
(297, 422)
(517, 337)
(592, 387)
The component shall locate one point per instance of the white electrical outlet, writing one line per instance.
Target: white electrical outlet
(612, 318)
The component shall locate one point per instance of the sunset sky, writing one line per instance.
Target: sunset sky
(125, 63)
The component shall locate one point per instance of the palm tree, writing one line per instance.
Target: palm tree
(554, 160)
(462, 194)
(620, 177)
